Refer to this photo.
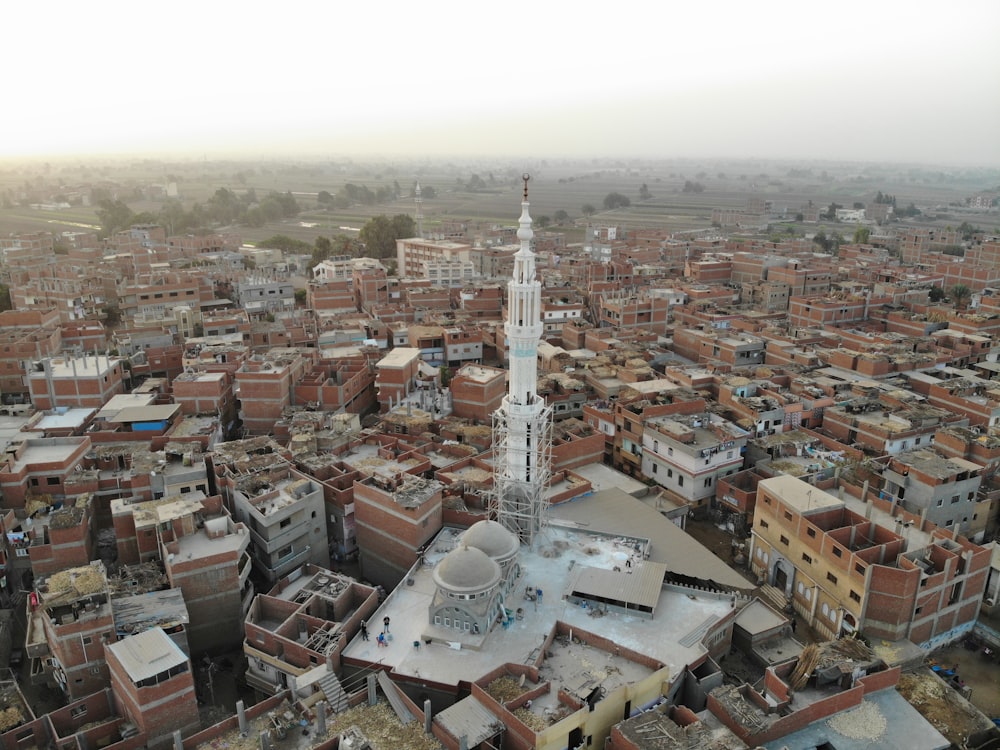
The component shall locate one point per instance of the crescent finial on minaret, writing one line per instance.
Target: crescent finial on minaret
(526, 177)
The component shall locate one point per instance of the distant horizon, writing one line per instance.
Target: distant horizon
(607, 161)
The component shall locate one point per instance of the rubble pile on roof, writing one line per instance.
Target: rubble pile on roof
(655, 730)
(72, 584)
(840, 655)
(130, 580)
(739, 708)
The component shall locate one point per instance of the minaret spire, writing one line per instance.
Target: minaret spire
(522, 424)
(420, 211)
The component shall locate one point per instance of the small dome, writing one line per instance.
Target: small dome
(492, 538)
(466, 569)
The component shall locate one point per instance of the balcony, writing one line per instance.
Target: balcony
(288, 564)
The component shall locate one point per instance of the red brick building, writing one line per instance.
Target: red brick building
(395, 517)
(153, 684)
(476, 391)
(89, 380)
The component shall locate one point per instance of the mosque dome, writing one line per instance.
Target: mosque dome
(466, 569)
(493, 539)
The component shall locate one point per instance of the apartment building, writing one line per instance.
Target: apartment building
(461, 345)
(286, 516)
(26, 335)
(296, 631)
(153, 682)
(476, 391)
(86, 381)
(942, 490)
(848, 565)
(70, 627)
(412, 253)
(395, 517)
(259, 296)
(396, 375)
(687, 454)
(884, 425)
(264, 386)
(40, 466)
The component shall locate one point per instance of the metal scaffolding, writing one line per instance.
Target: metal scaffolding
(517, 500)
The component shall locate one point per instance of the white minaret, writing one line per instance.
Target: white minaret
(420, 211)
(522, 425)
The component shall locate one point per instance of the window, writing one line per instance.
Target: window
(763, 523)
(856, 596)
(655, 467)
(831, 577)
(859, 568)
(286, 552)
(788, 516)
(940, 502)
(954, 499)
(87, 640)
(767, 500)
(806, 558)
(708, 481)
(680, 480)
(78, 711)
(784, 539)
(838, 552)
(52, 480)
(811, 532)
(670, 473)
(285, 523)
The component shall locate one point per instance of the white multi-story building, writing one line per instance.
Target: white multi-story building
(686, 454)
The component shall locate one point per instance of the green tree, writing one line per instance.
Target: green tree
(693, 187)
(822, 240)
(588, 210)
(616, 200)
(300, 297)
(644, 193)
(542, 221)
(286, 244)
(861, 234)
(560, 216)
(379, 234)
(323, 249)
(324, 198)
(960, 295)
(935, 294)
(114, 216)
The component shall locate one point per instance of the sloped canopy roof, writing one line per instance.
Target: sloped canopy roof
(616, 512)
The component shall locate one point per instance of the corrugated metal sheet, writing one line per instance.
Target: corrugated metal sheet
(638, 586)
(617, 512)
(470, 719)
(147, 654)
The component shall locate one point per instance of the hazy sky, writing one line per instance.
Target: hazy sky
(899, 80)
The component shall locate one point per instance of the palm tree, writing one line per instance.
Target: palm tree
(960, 295)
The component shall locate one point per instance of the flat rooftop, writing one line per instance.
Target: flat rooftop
(366, 459)
(45, 451)
(399, 357)
(671, 634)
(603, 477)
(480, 374)
(801, 496)
(65, 418)
(884, 719)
